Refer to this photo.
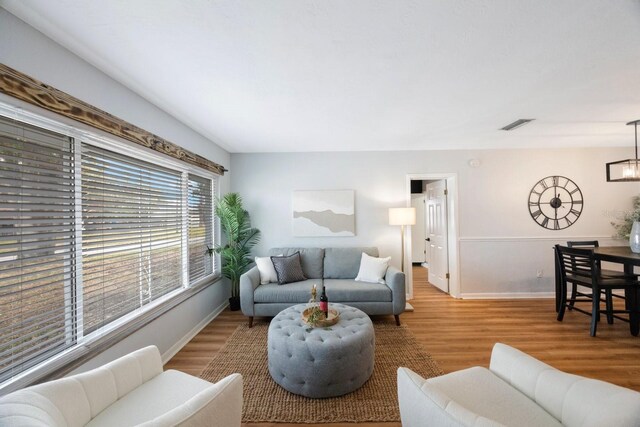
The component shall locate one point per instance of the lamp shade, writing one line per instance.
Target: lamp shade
(402, 216)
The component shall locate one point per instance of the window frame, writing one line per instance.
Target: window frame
(87, 347)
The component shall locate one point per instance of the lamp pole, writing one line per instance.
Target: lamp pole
(402, 217)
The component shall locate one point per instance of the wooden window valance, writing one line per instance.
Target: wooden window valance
(20, 86)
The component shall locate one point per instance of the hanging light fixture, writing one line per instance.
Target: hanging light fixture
(625, 170)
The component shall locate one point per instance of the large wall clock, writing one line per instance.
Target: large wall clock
(555, 202)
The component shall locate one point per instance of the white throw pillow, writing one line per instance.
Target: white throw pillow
(267, 272)
(372, 269)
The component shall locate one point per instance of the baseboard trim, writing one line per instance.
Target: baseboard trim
(174, 349)
(507, 295)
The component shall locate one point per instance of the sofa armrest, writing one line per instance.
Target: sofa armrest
(217, 406)
(396, 281)
(249, 281)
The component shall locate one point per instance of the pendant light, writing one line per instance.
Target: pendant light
(625, 170)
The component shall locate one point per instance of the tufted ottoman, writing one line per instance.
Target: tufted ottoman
(323, 362)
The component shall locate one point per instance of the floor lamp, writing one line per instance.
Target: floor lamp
(402, 217)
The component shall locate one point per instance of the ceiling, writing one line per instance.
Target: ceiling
(334, 75)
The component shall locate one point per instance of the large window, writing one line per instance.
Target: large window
(131, 234)
(200, 227)
(89, 237)
(36, 246)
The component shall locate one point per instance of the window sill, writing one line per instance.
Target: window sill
(58, 367)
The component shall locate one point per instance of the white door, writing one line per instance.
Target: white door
(418, 231)
(436, 212)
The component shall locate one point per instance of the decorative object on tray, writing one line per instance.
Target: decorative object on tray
(314, 316)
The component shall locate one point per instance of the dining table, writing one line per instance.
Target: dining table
(629, 260)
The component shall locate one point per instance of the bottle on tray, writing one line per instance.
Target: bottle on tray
(324, 302)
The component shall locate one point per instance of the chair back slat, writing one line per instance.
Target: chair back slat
(577, 264)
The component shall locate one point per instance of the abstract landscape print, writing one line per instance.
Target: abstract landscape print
(324, 213)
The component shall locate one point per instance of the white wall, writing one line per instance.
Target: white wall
(501, 248)
(28, 51)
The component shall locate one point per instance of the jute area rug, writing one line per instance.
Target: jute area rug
(265, 401)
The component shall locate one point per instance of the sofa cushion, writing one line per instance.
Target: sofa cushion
(288, 268)
(344, 263)
(152, 399)
(498, 401)
(297, 292)
(372, 269)
(348, 290)
(265, 267)
(310, 258)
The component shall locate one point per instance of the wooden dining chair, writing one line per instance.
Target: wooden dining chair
(578, 295)
(578, 266)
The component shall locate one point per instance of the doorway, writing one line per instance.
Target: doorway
(433, 240)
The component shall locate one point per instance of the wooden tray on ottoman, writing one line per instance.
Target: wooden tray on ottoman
(334, 317)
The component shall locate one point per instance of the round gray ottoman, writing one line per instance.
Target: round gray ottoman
(323, 362)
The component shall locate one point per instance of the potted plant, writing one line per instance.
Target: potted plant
(623, 229)
(240, 238)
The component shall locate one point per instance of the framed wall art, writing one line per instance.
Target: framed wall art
(324, 213)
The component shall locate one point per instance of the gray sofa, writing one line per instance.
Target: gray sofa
(335, 268)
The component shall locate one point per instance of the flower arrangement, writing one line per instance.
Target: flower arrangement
(315, 315)
(623, 229)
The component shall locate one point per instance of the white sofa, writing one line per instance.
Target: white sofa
(516, 390)
(130, 391)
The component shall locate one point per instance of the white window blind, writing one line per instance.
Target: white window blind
(37, 288)
(200, 227)
(131, 235)
(88, 236)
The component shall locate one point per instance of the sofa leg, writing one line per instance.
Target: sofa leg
(397, 316)
(250, 321)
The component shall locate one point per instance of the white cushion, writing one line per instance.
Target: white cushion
(372, 269)
(266, 269)
(150, 400)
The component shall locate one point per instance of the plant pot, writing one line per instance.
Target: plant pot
(634, 237)
(234, 303)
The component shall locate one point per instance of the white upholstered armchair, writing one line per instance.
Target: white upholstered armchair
(130, 391)
(516, 390)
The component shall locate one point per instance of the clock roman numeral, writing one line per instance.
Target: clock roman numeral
(533, 203)
(544, 184)
(575, 212)
(574, 191)
(544, 222)
(556, 224)
(536, 214)
(555, 180)
(569, 222)
(577, 202)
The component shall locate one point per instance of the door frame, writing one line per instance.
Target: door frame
(452, 229)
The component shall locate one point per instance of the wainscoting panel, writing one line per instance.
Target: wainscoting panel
(495, 267)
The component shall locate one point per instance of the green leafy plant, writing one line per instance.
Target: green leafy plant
(240, 239)
(623, 229)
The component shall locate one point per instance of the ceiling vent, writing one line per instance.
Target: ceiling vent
(517, 124)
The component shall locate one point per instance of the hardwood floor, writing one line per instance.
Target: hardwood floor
(460, 333)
